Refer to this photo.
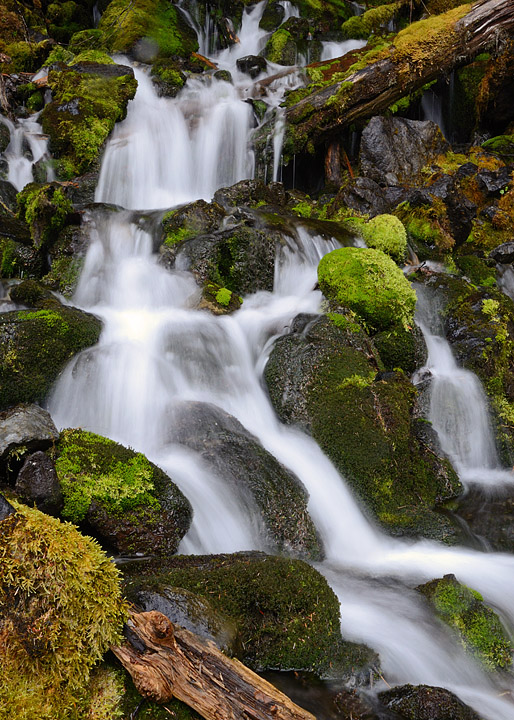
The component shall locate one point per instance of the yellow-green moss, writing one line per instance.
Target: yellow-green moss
(60, 609)
(386, 233)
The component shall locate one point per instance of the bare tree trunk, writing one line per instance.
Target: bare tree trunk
(166, 661)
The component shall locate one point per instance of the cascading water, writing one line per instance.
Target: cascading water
(458, 406)
(27, 146)
(156, 352)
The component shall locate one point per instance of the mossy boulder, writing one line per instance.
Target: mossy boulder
(251, 193)
(401, 348)
(326, 376)
(370, 284)
(219, 300)
(147, 29)
(129, 503)
(61, 608)
(477, 626)
(422, 702)
(386, 233)
(37, 344)
(168, 77)
(45, 209)
(285, 613)
(281, 48)
(88, 99)
(267, 489)
(66, 259)
(197, 218)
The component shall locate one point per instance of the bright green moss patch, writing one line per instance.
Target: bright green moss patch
(371, 21)
(91, 467)
(477, 626)
(369, 283)
(60, 609)
(223, 296)
(45, 209)
(281, 48)
(85, 107)
(386, 233)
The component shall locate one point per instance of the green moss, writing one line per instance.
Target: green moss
(44, 208)
(281, 48)
(286, 615)
(477, 626)
(223, 296)
(124, 23)
(302, 209)
(84, 110)
(64, 274)
(88, 470)
(60, 610)
(477, 270)
(369, 283)
(398, 348)
(386, 233)
(97, 56)
(8, 264)
(59, 54)
(35, 346)
(174, 237)
(371, 21)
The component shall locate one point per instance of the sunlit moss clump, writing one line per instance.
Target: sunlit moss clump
(60, 609)
(477, 626)
(386, 233)
(369, 283)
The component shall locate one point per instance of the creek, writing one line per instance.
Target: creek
(156, 352)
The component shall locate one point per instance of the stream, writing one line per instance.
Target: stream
(156, 352)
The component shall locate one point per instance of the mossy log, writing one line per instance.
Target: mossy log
(419, 54)
(166, 661)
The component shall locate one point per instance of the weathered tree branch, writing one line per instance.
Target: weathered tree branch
(419, 54)
(166, 661)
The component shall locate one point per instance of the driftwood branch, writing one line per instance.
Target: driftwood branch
(410, 63)
(166, 661)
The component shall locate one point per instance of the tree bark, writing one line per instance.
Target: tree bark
(166, 661)
(418, 55)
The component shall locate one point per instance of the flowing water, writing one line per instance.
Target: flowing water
(156, 351)
(27, 146)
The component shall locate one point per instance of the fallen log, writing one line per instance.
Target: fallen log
(166, 661)
(424, 51)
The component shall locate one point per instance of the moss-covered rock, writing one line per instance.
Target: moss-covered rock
(386, 233)
(128, 501)
(88, 99)
(147, 29)
(286, 614)
(197, 218)
(219, 300)
(422, 702)
(37, 344)
(375, 20)
(401, 348)
(168, 77)
(45, 209)
(60, 609)
(369, 283)
(268, 490)
(478, 627)
(281, 48)
(323, 377)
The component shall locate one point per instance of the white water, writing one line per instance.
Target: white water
(458, 407)
(157, 351)
(331, 50)
(27, 146)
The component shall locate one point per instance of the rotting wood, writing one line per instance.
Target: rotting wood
(320, 116)
(166, 661)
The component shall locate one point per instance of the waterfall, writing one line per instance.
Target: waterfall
(331, 50)
(458, 406)
(156, 352)
(27, 146)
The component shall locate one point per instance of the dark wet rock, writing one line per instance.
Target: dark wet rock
(466, 170)
(489, 515)
(35, 345)
(250, 193)
(422, 702)
(240, 259)
(6, 508)
(23, 430)
(102, 69)
(7, 198)
(5, 137)
(251, 65)
(491, 183)
(66, 259)
(119, 495)
(188, 221)
(285, 614)
(37, 484)
(82, 191)
(266, 486)
(272, 16)
(325, 377)
(364, 195)
(461, 212)
(30, 293)
(224, 75)
(394, 150)
(503, 254)
(191, 612)
(477, 626)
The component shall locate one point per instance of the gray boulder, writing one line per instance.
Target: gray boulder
(37, 483)
(394, 150)
(23, 430)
